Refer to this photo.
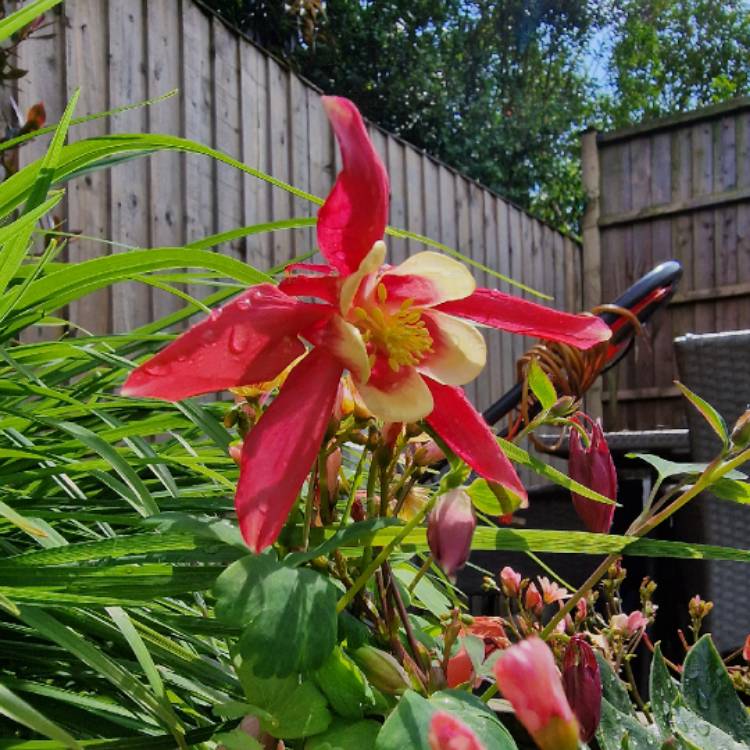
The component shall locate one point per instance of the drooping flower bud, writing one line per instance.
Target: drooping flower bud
(528, 677)
(450, 530)
(740, 436)
(583, 685)
(382, 670)
(449, 733)
(510, 581)
(593, 467)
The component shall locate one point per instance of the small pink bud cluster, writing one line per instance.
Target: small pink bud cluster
(630, 624)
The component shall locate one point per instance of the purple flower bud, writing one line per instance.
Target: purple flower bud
(450, 530)
(593, 467)
(583, 685)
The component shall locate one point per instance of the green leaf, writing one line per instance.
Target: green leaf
(428, 595)
(732, 489)
(408, 724)
(714, 419)
(541, 386)
(343, 735)
(613, 688)
(24, 16)
(520, 456)
(620, 731)
(290, 707)
(698, 734)
(664, 692)
(288, 614)
(20, 711)
(484, 499)
(345, 685)
(708, 690)
(51, 158)
(237, 740)
(665, 468)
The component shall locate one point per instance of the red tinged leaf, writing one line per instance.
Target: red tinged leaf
(355, 213)
(250, 340)
(465, 432)
(279, 451)
(499, 310)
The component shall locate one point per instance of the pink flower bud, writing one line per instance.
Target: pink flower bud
(533, 599)
(449, 733)
(527, 676)
(583, 685)
(450, 531)
(510, 581)
(582, 609)
(629, 624)
(593, 467)
(746, 650)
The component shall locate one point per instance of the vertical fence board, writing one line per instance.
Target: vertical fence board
(198, 194)
(300, 161)
(281, 201)
(255, 152)
(463, 238)
(494, 384)
(431, 197)
(228, 133)
(165, 170)
(502, 265)
(395, 157)
(86, 51)
(414, 197)
(130, 200)
(42, 57)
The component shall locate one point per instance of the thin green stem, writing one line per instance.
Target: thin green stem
(420, 574)
(308, 510)
(382, 556)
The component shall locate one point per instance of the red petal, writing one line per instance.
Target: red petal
(250, 340)
(465, 432)
(320, 268)
(322, 287)
(280, 449)
(493, 308)
(355, 213)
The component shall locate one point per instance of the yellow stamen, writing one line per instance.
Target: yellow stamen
(401, 335)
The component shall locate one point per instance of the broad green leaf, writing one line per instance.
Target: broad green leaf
(619, 731)
(732, 489)
(664, 692)
(290, 708)
(237, 739)
(408, 724)
(709, 692)
(483, 498)
(541, 386)
(20, 711)
(613, 688)
(24, 16)
(345, 685)
(346, 735)
(697, 734)
(288, 615)
(714, 419)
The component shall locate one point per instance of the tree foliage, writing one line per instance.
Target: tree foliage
(501, 89)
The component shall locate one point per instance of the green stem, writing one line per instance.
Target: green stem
(382, 556)
(308, 511)
(420, 573)
(714, 471)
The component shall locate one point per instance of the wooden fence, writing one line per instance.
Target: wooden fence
(672, 188)
(237, 98)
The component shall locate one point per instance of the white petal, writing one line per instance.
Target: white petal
(370, 263)
(451, 279)
(408, 401)
(460, 351)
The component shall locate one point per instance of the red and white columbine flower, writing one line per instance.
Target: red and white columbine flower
(401, 332)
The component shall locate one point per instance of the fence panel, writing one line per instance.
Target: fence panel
(673, 188)
(240, 100)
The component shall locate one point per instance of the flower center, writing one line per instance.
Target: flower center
(400, 334)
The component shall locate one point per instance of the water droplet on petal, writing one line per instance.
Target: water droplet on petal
(238, 340)
(156, 370)
(244, 304)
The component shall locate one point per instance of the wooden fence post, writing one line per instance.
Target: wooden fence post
(591, 266)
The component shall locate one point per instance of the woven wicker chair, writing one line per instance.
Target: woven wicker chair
(716, 367)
